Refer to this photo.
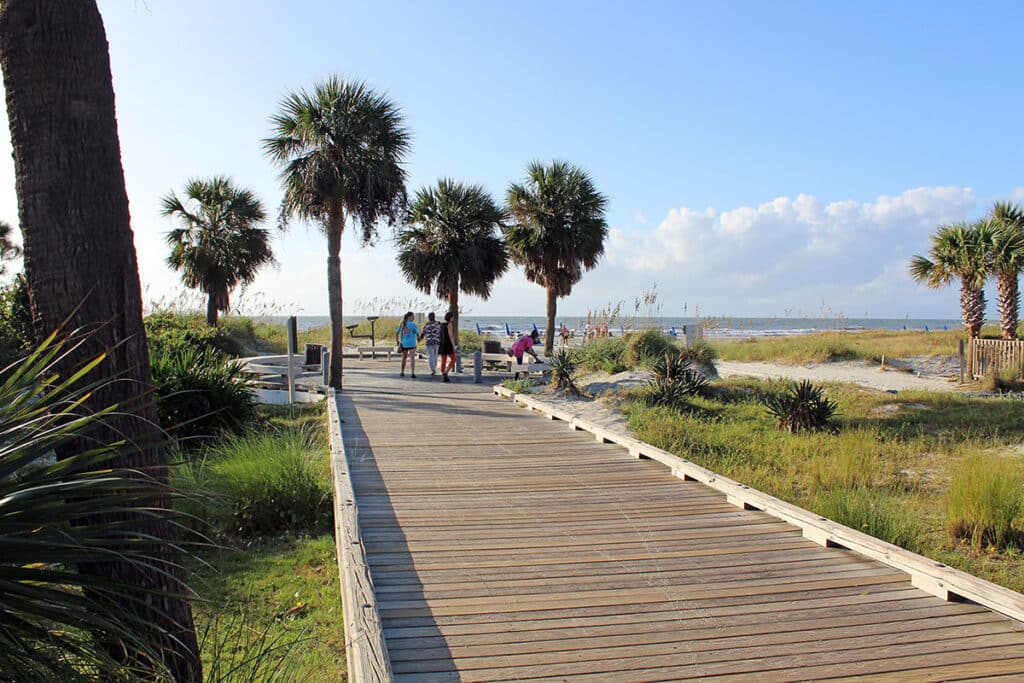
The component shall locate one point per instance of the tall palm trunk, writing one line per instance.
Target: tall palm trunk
(549, 331)
(1009, 303)
(453, 306)
(211, 309)
(81, 268)
(972, 306)
(335, 228)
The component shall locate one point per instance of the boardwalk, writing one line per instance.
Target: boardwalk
(505, 547)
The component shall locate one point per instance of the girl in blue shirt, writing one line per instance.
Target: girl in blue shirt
(405, 338)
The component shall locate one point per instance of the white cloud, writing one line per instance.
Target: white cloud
(796, 252)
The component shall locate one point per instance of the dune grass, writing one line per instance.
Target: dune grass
(885, 470)
(823, 347)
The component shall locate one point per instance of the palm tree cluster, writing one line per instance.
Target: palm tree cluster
(458, 238)
(971, 253)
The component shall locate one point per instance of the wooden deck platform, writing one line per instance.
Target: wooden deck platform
(505, 547)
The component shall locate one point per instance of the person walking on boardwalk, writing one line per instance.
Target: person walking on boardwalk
(432, 335)
(524, 345)
(405, 339)
(446, 349)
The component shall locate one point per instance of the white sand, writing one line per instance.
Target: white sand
(855, 372)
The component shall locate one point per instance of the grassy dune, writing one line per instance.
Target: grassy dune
(886, 470)
(830, 346)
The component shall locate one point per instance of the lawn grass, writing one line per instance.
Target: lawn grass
(277, 594)
(269, 607)
(886, 469)
(823, 347)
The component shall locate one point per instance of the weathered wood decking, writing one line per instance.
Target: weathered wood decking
(502, 546)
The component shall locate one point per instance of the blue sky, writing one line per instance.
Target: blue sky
(758, 157)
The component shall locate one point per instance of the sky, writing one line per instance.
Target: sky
(759, 158)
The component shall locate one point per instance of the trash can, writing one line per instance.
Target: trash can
(493, 346)
(314, 353)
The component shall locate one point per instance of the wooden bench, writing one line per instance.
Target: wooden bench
(502, 362)
(374, 350)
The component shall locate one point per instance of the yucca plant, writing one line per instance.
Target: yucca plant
(803, 408)
(563, 371)
(669, 393)
(57, 515)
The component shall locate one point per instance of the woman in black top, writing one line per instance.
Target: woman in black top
(447, 348)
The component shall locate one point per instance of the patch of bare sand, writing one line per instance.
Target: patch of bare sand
(855, 372)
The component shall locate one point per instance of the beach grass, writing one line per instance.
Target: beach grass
(886, 469)
(823, 347)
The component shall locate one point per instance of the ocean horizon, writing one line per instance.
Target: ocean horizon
(724, 327)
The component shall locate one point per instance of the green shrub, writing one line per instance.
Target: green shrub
(985, 497)
(269, 483)
(701, 352)
(17, 338)
(877, 515)
(243, 337)
(603, 354)
(662, 391)
(200, 392)
(519, 386)
(167, 333)
(645, 348)
(804, 408)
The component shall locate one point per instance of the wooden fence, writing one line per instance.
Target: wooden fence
(994, 355)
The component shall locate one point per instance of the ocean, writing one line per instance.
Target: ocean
(723, 327)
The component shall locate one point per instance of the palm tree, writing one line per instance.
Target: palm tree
(82, 272)
(1007, 262)
(558, 231)
(341, 149)
(8, 249)
(452, 242)
(218, 245)
(960, 250)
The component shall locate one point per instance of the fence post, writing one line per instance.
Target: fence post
(478, 367)
(325, 366)
(961, 361)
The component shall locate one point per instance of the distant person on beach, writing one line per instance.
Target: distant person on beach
(604, 330)
(405, 339)
(432, 335)
(524, 345)
(564, 333)
(446, 349)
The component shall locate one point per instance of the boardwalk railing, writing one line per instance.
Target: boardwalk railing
(995, 355)
(365, 649)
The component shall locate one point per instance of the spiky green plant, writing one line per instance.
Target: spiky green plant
(200, 392)
(803, 408)
(563, 371)
(676, 367)
(56, 515)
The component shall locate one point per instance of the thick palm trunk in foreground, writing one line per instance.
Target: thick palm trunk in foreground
(335, 225)
(81, 267)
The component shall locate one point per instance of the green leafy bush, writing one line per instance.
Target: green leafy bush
(200, 392)
(167, 333)
(803, 408)
(17, 337)
(701, 352)
(643, 349)
(602, 354)
(262, 484)
(985, 500)
(519, 386)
